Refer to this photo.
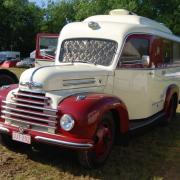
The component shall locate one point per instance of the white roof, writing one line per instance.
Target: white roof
(129, 19)
(116, 27)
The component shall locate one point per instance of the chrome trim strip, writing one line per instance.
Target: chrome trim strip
(79, 83)
(64, 143)
(36, 69)
(28, 101)
(30, 112)
(27, 122)
(29, 95)
(30, 106)
(28, 117)
(3, 129)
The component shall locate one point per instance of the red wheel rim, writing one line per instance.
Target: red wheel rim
(104, 143)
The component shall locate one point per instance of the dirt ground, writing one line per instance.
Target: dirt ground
(154, 154)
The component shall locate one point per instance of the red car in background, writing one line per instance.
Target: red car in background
(9, 58)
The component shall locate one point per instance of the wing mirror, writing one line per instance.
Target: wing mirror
(145, 60)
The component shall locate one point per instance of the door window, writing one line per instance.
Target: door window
(134, 49)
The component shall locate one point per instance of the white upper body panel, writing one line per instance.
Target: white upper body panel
(65, 79)
(115, 28)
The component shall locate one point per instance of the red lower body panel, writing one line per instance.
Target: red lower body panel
(48, 138)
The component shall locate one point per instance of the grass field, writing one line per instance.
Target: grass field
(154, 154)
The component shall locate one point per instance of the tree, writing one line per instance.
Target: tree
(19, 25)
(57, 15)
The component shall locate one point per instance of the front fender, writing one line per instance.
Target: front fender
(4, 92)
(89, 111)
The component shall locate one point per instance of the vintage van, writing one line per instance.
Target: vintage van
(113, 74)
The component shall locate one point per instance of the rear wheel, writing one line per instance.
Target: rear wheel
(171, 111)
(104, 139)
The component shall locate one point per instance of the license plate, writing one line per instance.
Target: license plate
(21, 137)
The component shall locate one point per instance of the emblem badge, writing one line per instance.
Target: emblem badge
(31, 84)
(21, 130)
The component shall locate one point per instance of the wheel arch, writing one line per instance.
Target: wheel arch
(172, 91)
(90, 111)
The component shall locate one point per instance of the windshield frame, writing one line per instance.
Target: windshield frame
(88, 38)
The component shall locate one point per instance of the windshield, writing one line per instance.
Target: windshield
(97, 51)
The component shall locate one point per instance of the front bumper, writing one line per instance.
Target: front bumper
(53, 139)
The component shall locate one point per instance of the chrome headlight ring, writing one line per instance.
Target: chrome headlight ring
(67, 122)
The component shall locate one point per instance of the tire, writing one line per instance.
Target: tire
(171, 112)
(7, 77)
(5, 80)
(104, 138)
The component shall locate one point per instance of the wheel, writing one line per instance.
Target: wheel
(5, 80)
(7, 77)
(171, 112)
(104, 140)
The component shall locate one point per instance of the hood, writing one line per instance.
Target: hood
(64, 77)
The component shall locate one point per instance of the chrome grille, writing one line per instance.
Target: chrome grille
(30, 109)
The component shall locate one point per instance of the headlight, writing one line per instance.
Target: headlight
(66, 122)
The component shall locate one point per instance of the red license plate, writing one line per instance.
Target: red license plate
(21, 137)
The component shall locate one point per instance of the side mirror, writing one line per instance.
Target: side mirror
(145, 60)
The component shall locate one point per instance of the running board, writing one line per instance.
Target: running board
(137, 124)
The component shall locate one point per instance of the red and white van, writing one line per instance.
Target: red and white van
(112, 74)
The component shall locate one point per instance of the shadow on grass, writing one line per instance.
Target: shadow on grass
(152, 154)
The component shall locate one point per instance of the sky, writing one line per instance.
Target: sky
(41, 3)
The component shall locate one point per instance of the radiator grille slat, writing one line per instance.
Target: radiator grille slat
(30, 108)
(27, 111)
(30, 123)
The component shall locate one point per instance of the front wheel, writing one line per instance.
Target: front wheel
(104, 140)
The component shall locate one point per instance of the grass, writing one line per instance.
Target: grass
(17, 71)
(153, 155)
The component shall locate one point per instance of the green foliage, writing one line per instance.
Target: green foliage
(18, 25)
(57, 15)
(21, 20)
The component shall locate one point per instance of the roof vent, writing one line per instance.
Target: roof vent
(116, 12)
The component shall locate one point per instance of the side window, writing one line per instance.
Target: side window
(134, 49)
(167, 52)
(176, 52)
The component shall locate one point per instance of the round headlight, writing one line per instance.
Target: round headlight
(66, 122)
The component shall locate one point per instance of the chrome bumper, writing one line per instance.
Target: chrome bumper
(55, 141)
(64, 143)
